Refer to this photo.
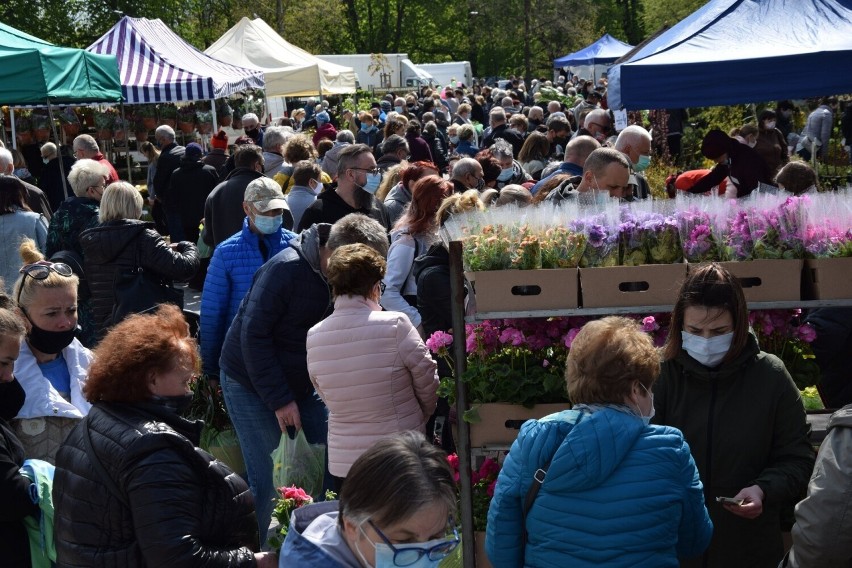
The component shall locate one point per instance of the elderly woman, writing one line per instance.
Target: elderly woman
(396, 509)
(596, 485)
(53, 365)
(742, 415)
(369, 366)
(511, 171)
(16, 223)
(132, 488)
(122, 242)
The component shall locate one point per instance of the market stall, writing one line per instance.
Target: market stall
(594, 59)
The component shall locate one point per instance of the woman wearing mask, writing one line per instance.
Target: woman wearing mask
(396, 509)
(368, 133)
(14, 487)
(122, 242)
(771, 144)
(53, 365)
(742, 416)
(467, 141)
(132, 488)
(411, 237)
(533, 154)
(597, 485)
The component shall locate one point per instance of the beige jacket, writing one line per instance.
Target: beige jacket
(374, 374)
(822, 535)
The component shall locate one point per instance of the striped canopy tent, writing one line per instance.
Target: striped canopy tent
(156, 65)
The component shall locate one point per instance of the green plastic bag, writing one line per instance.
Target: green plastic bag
(297, 463)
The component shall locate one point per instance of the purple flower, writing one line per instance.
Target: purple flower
(569, 337)
(439, 340)
(806, 333)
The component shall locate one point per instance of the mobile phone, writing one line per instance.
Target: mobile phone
(730, 501)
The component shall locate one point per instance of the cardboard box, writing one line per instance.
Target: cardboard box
(827, 279)
(518, 290)
(767, 280)
(620, 286)
(500, 422)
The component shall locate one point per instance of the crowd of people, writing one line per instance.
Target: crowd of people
(325, 276)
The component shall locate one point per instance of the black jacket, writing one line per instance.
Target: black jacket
(110, 247)
(167, 163)
(187, 508)
(434, 300)
(744, 165)
(14, 488)
(508, 134)
(51, 181)
(223, 209)
(190, 185)
(833, 350)
(330, 208)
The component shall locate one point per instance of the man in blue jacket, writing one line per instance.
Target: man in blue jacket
(264, 369)
(234, 263)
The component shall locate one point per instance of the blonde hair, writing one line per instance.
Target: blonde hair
(120, 201)
(389, 181)
(459, 203)
(25, 287)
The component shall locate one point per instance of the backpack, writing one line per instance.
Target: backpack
(40, 529)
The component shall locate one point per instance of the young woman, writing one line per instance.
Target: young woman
(16, 223)
(742, 416)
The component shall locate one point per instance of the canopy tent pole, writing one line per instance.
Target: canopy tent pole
(126, 143)
(58, 150)
(14, 135)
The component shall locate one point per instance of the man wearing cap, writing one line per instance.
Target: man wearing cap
(741, 164)
(223, 210)
(218, 154)
(234, 263)
(189, 187)
(358, 179)
(325, 129)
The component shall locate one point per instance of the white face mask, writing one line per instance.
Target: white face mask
(385, 554)
(707, 351)
(770, 125)
(647, 419)
(752, 144)
(317, 189)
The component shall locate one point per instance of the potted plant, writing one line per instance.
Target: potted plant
(148, 116)
(105, 122)
(186, 118)
(120, 126)
(482, 480)
(204, 121)
(224, 112)
(168, 114)
(41, 126)
(292, 498)
(23, 127)
(70, 122)
(238, 112)
(218, 436)
(87, 116)
(140, 129)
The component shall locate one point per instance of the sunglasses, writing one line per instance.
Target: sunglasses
(41, 270)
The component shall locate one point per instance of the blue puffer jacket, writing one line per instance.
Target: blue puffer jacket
(264, 349)
(617, 493)
(228, 279)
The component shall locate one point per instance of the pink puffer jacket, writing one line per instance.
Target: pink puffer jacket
(375, 375)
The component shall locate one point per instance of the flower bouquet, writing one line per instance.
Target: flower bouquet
(776, 229)
(561, 248)
(828, 231)
(663, 240)
(292, 498)
(602, 234)
(701, 236)
(490, 249)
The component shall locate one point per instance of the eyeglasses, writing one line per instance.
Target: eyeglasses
(41, 270)
(374, 171)
(382, 286)
(604, 129)
(411, 554)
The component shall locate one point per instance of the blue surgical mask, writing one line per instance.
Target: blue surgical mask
(454, 139)
(398, 109)
(647, 419)
(709, 351)
(268, 225)
(643, 163)
(384, 557)
(45, 160)
(505, 175)
(372, 183)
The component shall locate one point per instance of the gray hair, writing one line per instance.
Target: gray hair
(86, 143)
(466, 166)
(502, 149)
(466, 132)
(6, 159)
(497, 115)
(358, 228)
(345, 135)
(165, 131)
(48, 150)
(120, 201)
(251, 117)
(86, 173)
(274, 138)
(595, 115)
(631, 136)
(394, 143)
(430, 127)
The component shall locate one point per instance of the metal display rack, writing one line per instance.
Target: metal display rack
(463, 448)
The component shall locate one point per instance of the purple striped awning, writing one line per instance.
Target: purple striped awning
(156, 65)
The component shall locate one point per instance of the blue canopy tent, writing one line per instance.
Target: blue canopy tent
(739, 51)
(594, 59)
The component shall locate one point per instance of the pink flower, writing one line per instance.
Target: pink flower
(650, 324)
(297, 494)
(489, 468)
(513, 336)
(569, 337)
(454, 461)
(806, 333)
(439, 340)
(545, 363)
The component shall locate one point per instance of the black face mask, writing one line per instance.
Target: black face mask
(50, 342)
(251, 131)
(12, 397)
(179, 404)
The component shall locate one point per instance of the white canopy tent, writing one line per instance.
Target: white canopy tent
(289, 71)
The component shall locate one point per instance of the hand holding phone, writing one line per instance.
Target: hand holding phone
(730, 501)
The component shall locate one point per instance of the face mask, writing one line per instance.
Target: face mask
(398, 109)
(643, 163)
(364, 127)
(372, 184)
(752, 144)
(179, 404)
(317, 189)
(506, 174)
(385, 554)
(707, 351)
(480, 184)
(251, 131)
(786, 113)
(454, 139)
(12, 396)
(45, 160)
(600, 137)
(770, 125)
(268, 225)
(647, 419)
(50, 342)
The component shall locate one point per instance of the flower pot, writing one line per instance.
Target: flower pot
(42, 134)
(225, 120)
(481, 557)
(150, 122)
(205, 127)
(169, 122)
(141, 136)
(24, 137)
(104, 133)
(71, 130)
(186, 127)
(499, 423)
(118, 134)
(237, 124)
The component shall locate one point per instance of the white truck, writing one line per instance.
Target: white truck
(382, 70)
(446, 73)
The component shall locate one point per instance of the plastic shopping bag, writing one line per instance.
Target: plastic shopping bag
(295, 462)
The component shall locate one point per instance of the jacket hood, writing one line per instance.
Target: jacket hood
(593, 449)
(314, 539)
(272, 161)
(437, 255)
(104, 243)
(842, 417)
(399, 193)
(728, 370)
(307, 245)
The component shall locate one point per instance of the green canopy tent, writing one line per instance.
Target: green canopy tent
(34, 72)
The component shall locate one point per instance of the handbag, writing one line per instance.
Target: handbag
(137, 290)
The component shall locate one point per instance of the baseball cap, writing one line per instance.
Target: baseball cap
(265, 194)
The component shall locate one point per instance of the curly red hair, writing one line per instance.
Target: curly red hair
(136, 348)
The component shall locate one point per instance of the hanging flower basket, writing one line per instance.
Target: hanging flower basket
(224, 113)
(147, 116)
(23, 127)
(119, 128)
(105, 122)
(204, 121)
(41, 127)
(168, 114)
(225, 120)
(186, 118)
(71, 130)
(24, 137)
(70, 122)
